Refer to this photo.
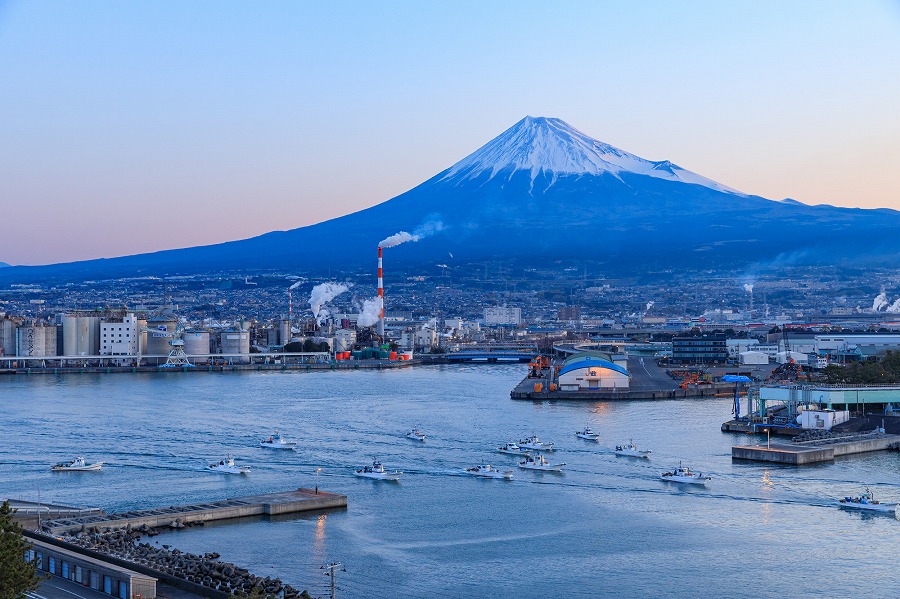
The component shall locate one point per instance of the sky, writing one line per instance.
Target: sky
(129, 127)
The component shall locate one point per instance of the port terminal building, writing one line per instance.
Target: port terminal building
(594, 370)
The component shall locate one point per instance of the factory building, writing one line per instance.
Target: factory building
(502, 316)
(855, 346)
(594, 370)
(344, 340)
(706, 349)
(119, 337)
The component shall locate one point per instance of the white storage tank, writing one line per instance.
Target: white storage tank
(196, 343)
(81, 335)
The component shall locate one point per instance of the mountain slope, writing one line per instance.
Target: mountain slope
(543, 191)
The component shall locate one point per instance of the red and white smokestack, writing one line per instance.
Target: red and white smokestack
(380, 295)
(290, 305)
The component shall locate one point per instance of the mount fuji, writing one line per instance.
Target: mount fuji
(543, 191)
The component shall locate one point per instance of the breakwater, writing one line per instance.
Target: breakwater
(270, 504)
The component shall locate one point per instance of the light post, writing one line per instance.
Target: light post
(768, 438)
(317, 480)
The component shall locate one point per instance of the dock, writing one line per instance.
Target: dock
(814, 452)
(526, 390)
(287, 502)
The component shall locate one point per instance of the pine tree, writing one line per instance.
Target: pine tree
(17, 576)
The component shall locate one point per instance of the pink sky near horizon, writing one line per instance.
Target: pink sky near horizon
(170, 124)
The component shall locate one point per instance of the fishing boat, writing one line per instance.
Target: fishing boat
(685, 475)
(631, 450)
(227, 466)
(535, 444)
(377, 471)
(277, 441)
(867, 502)
(540, 463)
(587, 434)
(76, 464)
(416, 435)
(486, 471)
(512, 449)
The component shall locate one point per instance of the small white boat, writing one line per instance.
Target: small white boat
(867, 502)
(416, 435)
(486, 471)
(685, 475)
(588, 434)
(76, 465)
(540, 463)
(227, 466)
(513, 449)
(631, 450)
(377, 471)
(534, 444)
(277, 441)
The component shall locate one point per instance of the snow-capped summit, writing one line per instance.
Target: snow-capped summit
(552, 146)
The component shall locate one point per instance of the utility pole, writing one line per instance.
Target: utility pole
(331, 569)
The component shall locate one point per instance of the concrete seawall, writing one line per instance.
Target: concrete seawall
(288, 502)
(800, 454)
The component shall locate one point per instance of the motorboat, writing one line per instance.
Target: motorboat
(540, 463)
(534, 444)
(76, 464)
(486, 471)
(631, 450)
(277, 441)
(227, 466)
(588, 434)
(685, 475)
(867, 502)
(513, 449)
(416, 435)
(377, 471)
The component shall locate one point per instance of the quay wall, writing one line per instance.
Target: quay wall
(350, 365)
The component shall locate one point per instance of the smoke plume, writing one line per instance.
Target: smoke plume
(649, 305)
(321, 295)
(880, 302)
(748, 287)
(295, 285)
(422, 231)
(370, 312)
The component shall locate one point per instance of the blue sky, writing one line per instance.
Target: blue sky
(129, 127)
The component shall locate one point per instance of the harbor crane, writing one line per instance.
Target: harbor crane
(176, 358)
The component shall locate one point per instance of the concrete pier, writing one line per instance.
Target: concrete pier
(288, 502)
(813, 452)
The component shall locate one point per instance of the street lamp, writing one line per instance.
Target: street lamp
(317, 480)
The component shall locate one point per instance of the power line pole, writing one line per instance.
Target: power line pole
(332, 568)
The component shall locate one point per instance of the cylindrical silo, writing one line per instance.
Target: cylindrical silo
(196, 343)
(284, 331)
(235, 342)
(161, 329)
(81, 335)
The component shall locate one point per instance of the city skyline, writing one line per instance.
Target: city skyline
(166, 125)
